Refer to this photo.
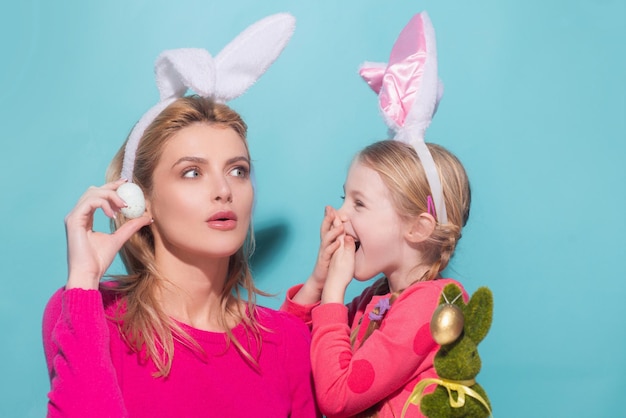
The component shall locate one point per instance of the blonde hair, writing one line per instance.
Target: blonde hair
(399, 167)
(141, 320)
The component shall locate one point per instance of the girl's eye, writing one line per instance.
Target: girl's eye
(358, 203)
(191, 173)
(240, 171)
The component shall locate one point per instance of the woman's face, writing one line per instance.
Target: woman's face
(202, 195)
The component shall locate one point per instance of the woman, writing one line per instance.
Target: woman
(175, 336)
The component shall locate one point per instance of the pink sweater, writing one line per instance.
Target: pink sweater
(392, 360)
(94, 374)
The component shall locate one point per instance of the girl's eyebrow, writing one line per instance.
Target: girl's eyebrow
(354, 193)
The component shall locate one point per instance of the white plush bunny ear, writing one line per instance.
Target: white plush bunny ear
(222, 78)
(409, 91)
(249, 55)
(179, 70)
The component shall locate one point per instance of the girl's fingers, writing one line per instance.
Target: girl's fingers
(332, 235)
(330, 249)
(348, 243)
(327, 222)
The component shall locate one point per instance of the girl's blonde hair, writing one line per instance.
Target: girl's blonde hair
(400, 169)
(141, 319)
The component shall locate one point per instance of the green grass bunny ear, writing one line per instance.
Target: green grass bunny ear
(479, 314)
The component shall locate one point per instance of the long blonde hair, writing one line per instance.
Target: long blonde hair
(141, 320)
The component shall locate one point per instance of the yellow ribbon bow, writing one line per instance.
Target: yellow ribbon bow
(461, 387)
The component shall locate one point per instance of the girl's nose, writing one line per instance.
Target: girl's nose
(341, 214)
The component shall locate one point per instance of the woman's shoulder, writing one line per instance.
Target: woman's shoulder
(107, 293)
(281, 323)
(282, 319)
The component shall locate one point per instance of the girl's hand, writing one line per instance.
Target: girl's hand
(330, 231)
(341, 271)
(90, 253)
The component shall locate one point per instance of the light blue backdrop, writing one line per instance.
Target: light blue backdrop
(535, 106)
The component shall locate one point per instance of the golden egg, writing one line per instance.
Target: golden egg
(446, 324)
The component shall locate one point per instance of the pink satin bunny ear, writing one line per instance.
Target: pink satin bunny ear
(409, 92)
(222, 78)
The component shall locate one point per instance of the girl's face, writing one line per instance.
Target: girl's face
(373, 221)
(202, 195)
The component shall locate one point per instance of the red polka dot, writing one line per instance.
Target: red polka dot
(361, 377)
(344, 359)
(423, 342)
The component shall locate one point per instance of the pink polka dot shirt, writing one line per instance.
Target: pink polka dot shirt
(383, 371)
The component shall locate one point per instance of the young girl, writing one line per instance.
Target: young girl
(399, 220)
(175, 337)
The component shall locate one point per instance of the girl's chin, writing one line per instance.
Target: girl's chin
(363, 277)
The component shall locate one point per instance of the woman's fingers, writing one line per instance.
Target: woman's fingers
(104, 197)
(124, 232)
(90, 253)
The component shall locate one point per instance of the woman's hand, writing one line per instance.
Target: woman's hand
(341, 271)
(90, 253)
(330, 231)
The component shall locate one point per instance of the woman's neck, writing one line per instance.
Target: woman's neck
(192, 291)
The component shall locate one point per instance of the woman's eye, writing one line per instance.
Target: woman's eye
(240, 172)
(191, 173)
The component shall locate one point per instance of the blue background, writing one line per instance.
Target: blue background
(535, 107)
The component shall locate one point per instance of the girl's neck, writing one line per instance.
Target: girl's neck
(400, 279)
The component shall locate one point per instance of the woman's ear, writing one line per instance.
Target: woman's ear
(420, 228)
(149, 207)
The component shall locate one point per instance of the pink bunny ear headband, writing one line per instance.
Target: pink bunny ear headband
(223, 78)
(409, 91)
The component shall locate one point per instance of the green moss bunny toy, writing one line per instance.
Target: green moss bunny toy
(458, 328)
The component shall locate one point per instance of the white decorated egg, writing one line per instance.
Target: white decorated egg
(135, 202)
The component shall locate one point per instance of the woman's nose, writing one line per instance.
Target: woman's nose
(222, 191)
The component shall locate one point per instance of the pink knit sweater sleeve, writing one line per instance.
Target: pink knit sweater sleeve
(349, 381)
(83, 381)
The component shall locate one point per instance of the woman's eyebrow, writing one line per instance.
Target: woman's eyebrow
(204, 161)
(197, 160)
(238, 159)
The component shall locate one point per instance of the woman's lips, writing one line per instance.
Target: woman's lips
(223, 221)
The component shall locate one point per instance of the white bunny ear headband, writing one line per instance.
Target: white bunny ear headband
(223, 78)
(409, 91)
